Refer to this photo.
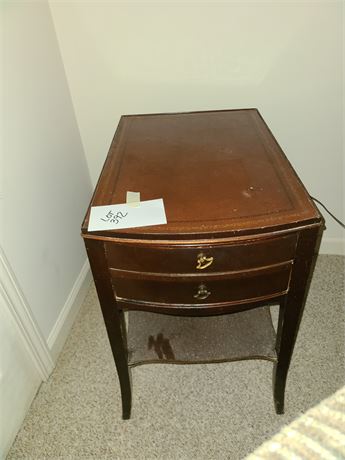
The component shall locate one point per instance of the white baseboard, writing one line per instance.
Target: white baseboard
(62, 327)
(25, 359)
(20, 311)
(333, 246)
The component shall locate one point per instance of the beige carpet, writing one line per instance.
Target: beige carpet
(317, 434)
(213, 411)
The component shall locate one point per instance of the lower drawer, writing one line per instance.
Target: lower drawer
(238, 287)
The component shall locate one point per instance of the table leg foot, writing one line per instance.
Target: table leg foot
(126, 414)
(279, 383)
(279, 407)
(126, 394)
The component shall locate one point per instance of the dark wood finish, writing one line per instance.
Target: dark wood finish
(206, 309)
(220, 173)
(249, 254)
(291, 309)
(242, 232)
(246, 285)
(157, 338)
(114, 320)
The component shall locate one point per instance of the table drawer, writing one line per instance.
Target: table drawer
(237, 287)
(202, 259)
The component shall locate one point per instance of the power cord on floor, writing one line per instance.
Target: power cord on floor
(332, 215)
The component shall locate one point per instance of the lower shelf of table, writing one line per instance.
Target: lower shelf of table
(158, 338)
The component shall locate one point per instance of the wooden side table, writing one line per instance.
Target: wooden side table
(242, 233)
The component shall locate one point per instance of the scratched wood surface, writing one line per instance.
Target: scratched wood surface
(218, 172)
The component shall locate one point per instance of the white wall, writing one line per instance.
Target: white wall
(46, 185)
(282, 57)
(44, 191)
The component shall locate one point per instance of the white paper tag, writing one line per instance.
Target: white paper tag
(116, 216)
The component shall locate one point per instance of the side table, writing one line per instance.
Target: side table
(242, 233)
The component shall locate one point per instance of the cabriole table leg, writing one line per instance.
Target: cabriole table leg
(291, 310)
(113, 318)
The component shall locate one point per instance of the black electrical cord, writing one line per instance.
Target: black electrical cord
(332, 215)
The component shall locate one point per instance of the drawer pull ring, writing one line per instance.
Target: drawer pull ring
(203, 261)
(202, 293)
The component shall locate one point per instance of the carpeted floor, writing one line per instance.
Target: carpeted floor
(319, 433)
(213, 411)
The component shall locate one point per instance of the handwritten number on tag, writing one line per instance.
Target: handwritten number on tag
(114, 218)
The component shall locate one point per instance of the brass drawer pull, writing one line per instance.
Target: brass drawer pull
(202, 293)
(203, 261)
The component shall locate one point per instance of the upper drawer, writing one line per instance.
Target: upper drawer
(203, 258)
